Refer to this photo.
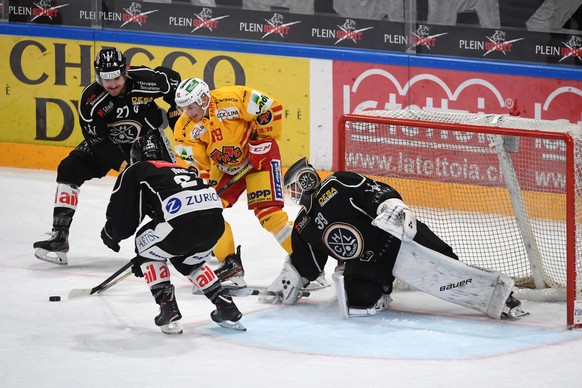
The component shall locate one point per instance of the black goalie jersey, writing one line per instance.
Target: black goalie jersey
(336, 222)
(166, 193)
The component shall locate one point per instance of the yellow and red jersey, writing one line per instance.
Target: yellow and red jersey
(222, 138)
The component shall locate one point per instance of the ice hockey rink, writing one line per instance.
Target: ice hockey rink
(110, 340)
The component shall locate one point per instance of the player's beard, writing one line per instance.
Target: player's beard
(117, 90)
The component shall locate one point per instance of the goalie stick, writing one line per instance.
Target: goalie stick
(248, 291)
(106, 284)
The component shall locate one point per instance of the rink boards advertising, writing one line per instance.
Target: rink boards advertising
(44, 76)
(370, 87)
(322, 30)
(44, 79)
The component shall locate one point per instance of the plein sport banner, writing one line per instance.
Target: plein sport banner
(42, 80)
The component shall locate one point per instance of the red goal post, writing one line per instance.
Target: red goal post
(505, 192)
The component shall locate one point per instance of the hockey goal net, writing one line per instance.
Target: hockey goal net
(505, 192)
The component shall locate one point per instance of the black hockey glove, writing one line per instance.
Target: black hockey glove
(108, 237)
(173, 116)
(136, 263)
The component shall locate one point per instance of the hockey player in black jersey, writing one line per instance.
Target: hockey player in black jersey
(375, 237)
(114, 111)
(186, 222)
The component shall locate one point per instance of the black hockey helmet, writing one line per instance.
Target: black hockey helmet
(146, 148)
(301, 178)
(110, 63)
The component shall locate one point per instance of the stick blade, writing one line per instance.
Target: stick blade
(79, 292)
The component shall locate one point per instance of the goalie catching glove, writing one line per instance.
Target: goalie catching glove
(397, 219)
(286, 288)
(261, 152)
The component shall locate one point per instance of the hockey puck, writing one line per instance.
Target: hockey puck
(55, 298)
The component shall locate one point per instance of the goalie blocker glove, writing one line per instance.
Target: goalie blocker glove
(397, 219)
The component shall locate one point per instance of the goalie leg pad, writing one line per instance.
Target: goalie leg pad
(452, 280)
(345, 310)
(340, 291)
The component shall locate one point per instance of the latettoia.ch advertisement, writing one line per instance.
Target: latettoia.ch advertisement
(43, 80)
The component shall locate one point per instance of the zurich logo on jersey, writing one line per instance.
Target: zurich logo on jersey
(173, 206)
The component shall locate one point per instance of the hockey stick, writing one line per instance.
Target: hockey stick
(107, 283)
(122, 277)
(235, 178)
(167, 145)
(247, 291)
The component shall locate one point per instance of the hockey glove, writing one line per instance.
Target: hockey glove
(261, 152)
(397, 219)
(286, 288)
(108, 237)
(136, 263)
(173, 116)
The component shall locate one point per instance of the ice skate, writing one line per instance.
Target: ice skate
(54, 250)
(231, 273)
(169, 316)
(227, 314)
(512, 309)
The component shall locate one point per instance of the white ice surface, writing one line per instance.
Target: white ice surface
(110, 340)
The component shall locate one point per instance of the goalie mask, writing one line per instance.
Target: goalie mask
(146, 148)
(110, 64)
(301, 178)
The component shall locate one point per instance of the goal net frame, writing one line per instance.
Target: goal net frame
(502, 132)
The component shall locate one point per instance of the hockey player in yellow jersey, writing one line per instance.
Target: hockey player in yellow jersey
(223, 132)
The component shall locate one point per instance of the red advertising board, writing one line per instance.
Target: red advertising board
(360, 87)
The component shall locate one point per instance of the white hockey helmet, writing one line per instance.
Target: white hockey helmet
(301, 178)
(191, 91)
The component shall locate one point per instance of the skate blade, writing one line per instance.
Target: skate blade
(172, 328)
(232, 325)
(59, 258)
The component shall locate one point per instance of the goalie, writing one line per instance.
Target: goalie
(365, 225)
